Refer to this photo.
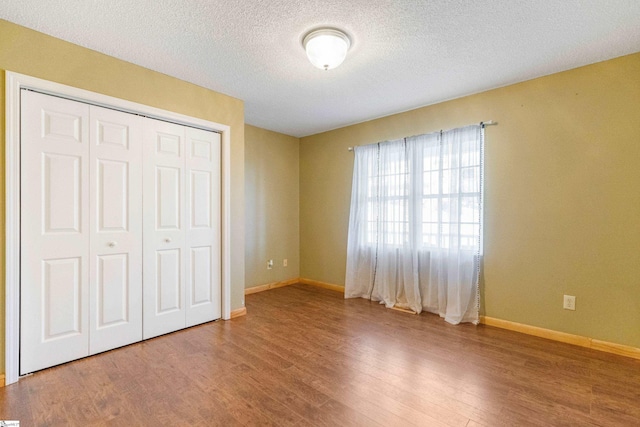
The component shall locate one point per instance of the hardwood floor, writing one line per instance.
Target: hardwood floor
(305, 356)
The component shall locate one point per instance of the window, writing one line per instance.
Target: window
(415, 227)
(445, 182)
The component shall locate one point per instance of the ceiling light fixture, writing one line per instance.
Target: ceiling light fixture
(326, 47)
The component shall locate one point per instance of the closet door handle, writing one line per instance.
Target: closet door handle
(112, 244)
(167, 239)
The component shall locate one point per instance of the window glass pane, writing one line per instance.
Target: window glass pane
(467, 153)
(469, 235)
(431, 160)
(430, 234)
(470, 179)
(445, 235)
(371, 206)
(445, 209)
(470, 209)
(371, 232)
(450, 181)
(430, 210)
(431, 183)
(446, 159)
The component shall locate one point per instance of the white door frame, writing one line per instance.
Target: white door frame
(13, 84)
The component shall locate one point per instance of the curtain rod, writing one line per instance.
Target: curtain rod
(485, 123)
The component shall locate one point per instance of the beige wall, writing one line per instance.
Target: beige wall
(35, 54)
(562, 196)
(272, 194)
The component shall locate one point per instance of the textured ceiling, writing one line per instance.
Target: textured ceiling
(404, 54)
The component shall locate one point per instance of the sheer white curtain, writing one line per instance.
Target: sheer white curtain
(415, 224)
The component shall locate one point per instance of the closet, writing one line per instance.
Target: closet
(119, 229)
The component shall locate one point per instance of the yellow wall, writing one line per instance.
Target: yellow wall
(35, 54)
(272, 219)
(562, 196)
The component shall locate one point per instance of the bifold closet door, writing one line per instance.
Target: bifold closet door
(120, 229)
(54, 231)
(203, 227)
(116, 229)
(164, 228)
(81, 234)
(182, 267)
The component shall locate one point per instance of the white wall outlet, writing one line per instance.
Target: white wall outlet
(284, 262)
(569, 302)
(269, 264)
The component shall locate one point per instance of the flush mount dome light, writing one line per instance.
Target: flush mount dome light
(326, 47)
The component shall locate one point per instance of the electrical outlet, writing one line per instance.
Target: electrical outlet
(284, 262)
(269, 264)
(569, 302)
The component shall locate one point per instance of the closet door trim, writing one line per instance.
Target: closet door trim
(14, 83)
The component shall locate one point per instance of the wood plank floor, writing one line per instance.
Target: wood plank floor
(304, 356)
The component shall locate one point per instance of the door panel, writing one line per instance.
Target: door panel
(62, 298)
(113, 290)
(61, 193)
(201, 272)
(168, 282)
(112, 195)
(169, 143)
(54, 232)
(203, 233)
(108, 133)
(116, 229)
(164, 228)
(167, 195)
(59, 125)
(200, 199)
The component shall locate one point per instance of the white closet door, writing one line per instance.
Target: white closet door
(203, 226)
(163, 228)
(54, 252)
(116, 229)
